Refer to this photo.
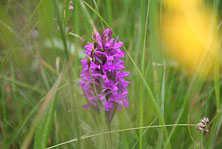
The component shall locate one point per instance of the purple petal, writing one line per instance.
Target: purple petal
(89, 46)
(106, 36)
(108, 105)
(126, 103)
(118, 45)
(86, 106)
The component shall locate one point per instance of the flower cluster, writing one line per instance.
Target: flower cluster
(203, 125)
(102, 80)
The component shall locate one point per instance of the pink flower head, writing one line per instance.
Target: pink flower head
(102, 69)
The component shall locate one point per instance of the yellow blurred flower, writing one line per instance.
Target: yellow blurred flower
(182, 4)
(190, 35)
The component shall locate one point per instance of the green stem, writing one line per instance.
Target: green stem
(120, 130)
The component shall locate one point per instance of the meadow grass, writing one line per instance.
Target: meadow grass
(42, 44)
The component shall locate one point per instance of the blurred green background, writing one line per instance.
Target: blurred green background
(41, 45)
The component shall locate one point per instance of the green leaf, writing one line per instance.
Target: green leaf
(43, 129)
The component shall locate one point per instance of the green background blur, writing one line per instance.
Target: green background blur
(41, 45)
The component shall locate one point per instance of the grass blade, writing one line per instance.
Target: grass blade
(44, 106)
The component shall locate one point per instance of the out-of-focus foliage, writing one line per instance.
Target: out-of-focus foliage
(41, 47)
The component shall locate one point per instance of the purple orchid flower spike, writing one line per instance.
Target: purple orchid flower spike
(102, 78)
